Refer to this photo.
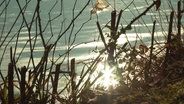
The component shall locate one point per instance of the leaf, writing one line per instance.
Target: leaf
(122, 30)
(87, 85)
(5, 90)
(129, 27)
(143, 49)
(158, 3)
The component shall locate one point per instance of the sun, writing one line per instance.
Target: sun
(108, 78)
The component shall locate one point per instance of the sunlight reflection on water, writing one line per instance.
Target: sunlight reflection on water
(105, 73)
(88, 33)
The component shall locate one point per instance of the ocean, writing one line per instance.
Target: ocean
(70, 24)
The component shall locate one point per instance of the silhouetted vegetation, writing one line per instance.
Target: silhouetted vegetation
(150, 73)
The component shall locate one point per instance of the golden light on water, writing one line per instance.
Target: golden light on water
(108, 78)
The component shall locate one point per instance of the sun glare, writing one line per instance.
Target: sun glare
(108, 78)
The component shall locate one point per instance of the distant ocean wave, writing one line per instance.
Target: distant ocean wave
(84, 29)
